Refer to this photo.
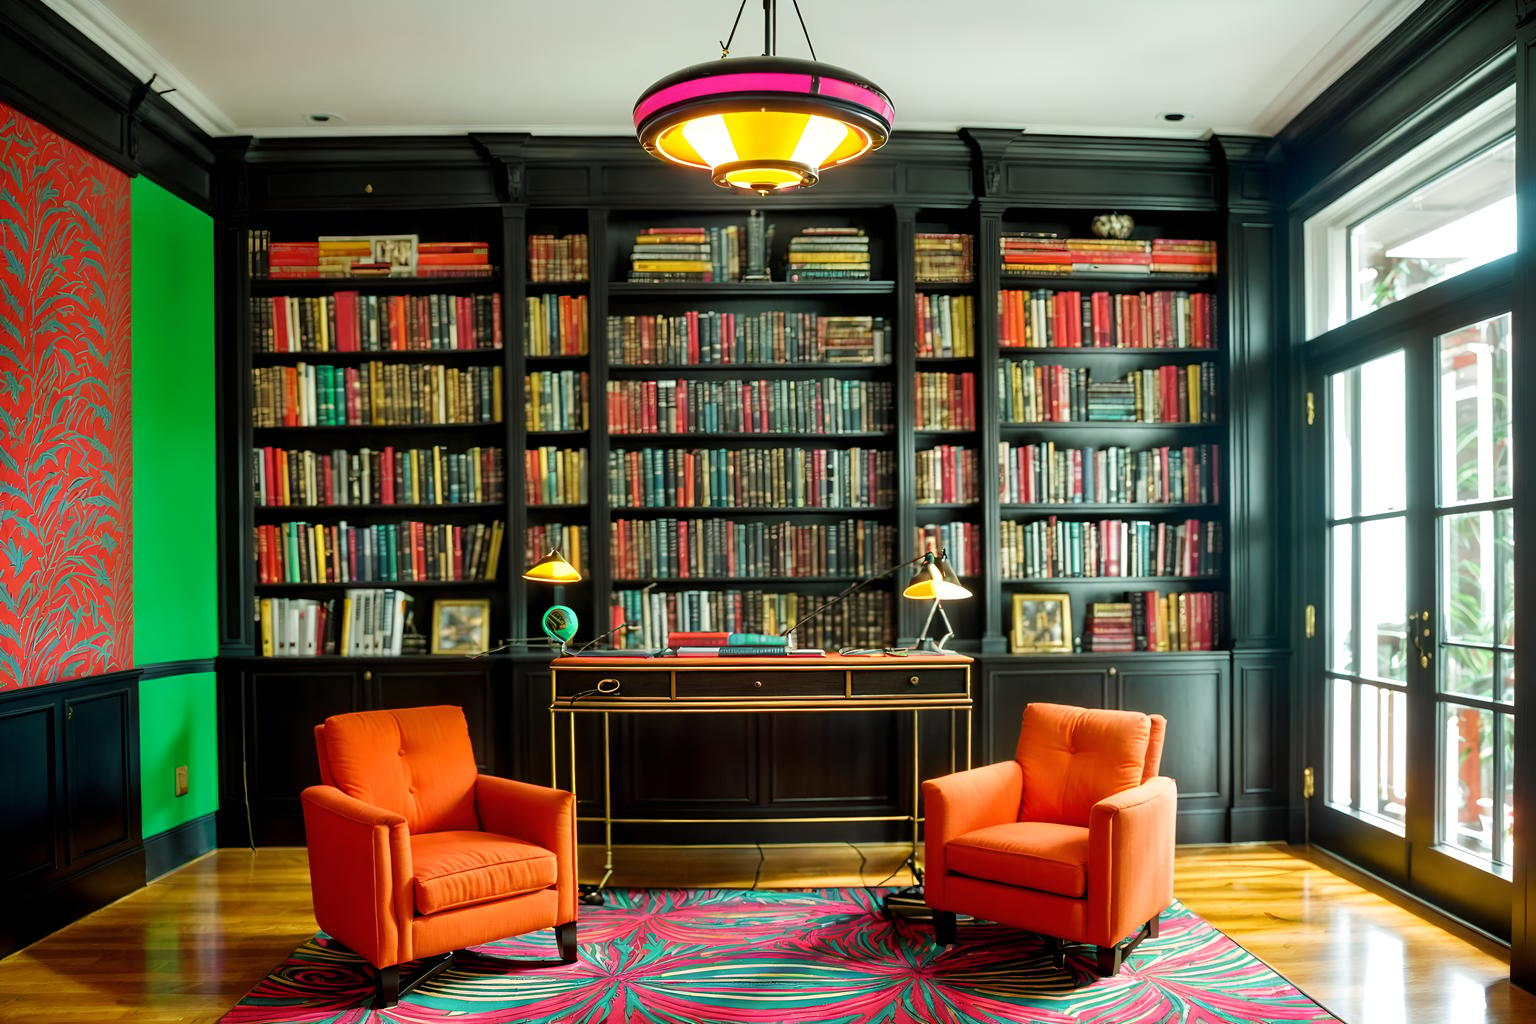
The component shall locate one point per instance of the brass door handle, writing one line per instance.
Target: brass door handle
(1419, 633)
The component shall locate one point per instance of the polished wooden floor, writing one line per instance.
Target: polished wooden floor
(187, 947)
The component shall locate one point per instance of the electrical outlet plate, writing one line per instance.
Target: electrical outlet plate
(182, 786)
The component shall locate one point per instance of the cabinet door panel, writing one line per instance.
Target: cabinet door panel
(688, 760)
(99, 776)
(1008, 690)
(284, 710)
(1195, 705)
(835, 758)
(415, 688)
(29, 798)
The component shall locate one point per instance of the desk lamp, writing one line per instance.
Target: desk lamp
(935, 581)
(559, 621)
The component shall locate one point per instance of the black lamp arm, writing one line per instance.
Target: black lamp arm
(850, 590)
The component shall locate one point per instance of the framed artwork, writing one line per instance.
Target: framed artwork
(461, 626)
(1042, 622)
(399, 251)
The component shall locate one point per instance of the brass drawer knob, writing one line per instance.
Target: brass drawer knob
(758, 683)
(368, 189)
(1113, 671)
(368, 676)
(913, 680)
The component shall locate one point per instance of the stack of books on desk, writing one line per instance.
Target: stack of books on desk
(736, 645)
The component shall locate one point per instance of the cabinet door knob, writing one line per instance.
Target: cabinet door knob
(758, 683)
(1113, 671)
(368, 676)
(368, 189)
(913, 680)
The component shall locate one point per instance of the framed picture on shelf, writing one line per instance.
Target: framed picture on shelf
(1042, 623)
(399, 251)
(461, 626)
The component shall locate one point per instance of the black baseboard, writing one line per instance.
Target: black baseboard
(170, 850)
(30, 915)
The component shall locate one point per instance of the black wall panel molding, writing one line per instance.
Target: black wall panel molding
(53, 74)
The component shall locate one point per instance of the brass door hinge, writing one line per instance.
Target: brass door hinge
(1308, 783)
(1311, 408)
(1311, 621)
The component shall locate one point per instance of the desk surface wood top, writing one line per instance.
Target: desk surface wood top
(923, 659)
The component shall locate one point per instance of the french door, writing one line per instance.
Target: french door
(1409, 664)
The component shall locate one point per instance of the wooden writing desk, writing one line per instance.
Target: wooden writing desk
(682, 686)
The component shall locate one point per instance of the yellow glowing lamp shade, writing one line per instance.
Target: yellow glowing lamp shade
(935, 579)
(553, 568)
(763, 124)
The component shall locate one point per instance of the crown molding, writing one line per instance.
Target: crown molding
(98, 24)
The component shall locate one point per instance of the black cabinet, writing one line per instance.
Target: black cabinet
(1191, 690)
(69, 754)
(268, 710)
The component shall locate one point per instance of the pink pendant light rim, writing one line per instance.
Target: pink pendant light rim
(789, 83)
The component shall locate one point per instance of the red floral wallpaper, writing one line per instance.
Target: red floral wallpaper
(66, 557)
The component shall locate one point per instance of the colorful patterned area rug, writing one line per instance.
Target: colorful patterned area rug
(700, 956)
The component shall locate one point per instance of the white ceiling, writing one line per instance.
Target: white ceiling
(258, 67)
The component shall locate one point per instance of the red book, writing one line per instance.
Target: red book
(696, 639)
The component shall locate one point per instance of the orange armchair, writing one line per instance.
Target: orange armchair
(1073, 839)
(413, 854)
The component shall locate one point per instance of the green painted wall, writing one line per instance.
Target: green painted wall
(175, 559)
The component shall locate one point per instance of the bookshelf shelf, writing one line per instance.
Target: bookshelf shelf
(342, 510)
(729, 368)
(1107, 581)
(750, 510)
(559, 287)
(1105, 352)
(946, 287)
(397, 355)
(782, 438)
(1139, 508)
(370, 428)
(1108, 282)
(1103, 426)
(744, 582)
(376, 585)
(749, 289)
(405, 285)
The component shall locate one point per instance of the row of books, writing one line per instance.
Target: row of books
(945, 401)
(364, 256)
(555, 325)
(946, 326)
(377, 476)
(1042, 318)
(959, 542)
(644, 549)
(1045, 252)
(558, 258)
(943, 257)
(555, 476)
(946, 474)
(715, 644)
(751, 477)
(1030, 392)
(1048, 473)
(375, 394)
(378, 552)
(829, 253)
(557, 400)
(570, 539)
(347, 321)
(1151, 621)
(821, 405)
(709, 338)
(863, 620)
(687, 254)
(1051, 548)
(364, 623)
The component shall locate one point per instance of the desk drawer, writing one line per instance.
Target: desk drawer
(765, 683)
(656, 685)
(917, 682)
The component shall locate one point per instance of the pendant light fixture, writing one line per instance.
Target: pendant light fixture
(763, 124)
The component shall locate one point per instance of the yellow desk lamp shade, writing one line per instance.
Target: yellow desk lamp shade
(935, 580)
(553, 568)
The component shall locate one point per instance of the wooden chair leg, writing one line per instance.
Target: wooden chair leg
(943, 928)
(1058, 951)
(1153, 925)
(1110, 959)
(565, 938)
(386, 987)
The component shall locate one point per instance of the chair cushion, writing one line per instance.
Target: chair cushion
(1075, 757)
(459, 869)
(417, 762)
(1026, 854)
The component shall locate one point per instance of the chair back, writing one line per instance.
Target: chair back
(417, 762)
(1074, 757)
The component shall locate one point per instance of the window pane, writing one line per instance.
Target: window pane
(1507, 755)
(1468, 576)
(1383, 599)
(1467, 779)
(1474, 412)
(1507, 676)
(1467, 670)
(1504, 548)
(1450, 225)
(1341, 599)
(1383, 483)
(1341, 449)
(1383, 751)
(1341, 732)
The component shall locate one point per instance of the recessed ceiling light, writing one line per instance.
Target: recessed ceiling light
(1173, 117)
(322, 117)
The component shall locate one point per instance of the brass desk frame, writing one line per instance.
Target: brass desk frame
(611, 703)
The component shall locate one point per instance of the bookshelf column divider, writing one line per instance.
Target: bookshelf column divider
(989, 217)
(904, 407)
(600, 502)
(514, 240)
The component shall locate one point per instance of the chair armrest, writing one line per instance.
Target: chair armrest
(360, 874)
(1130, 858)
(964, 802)
(536, 814)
